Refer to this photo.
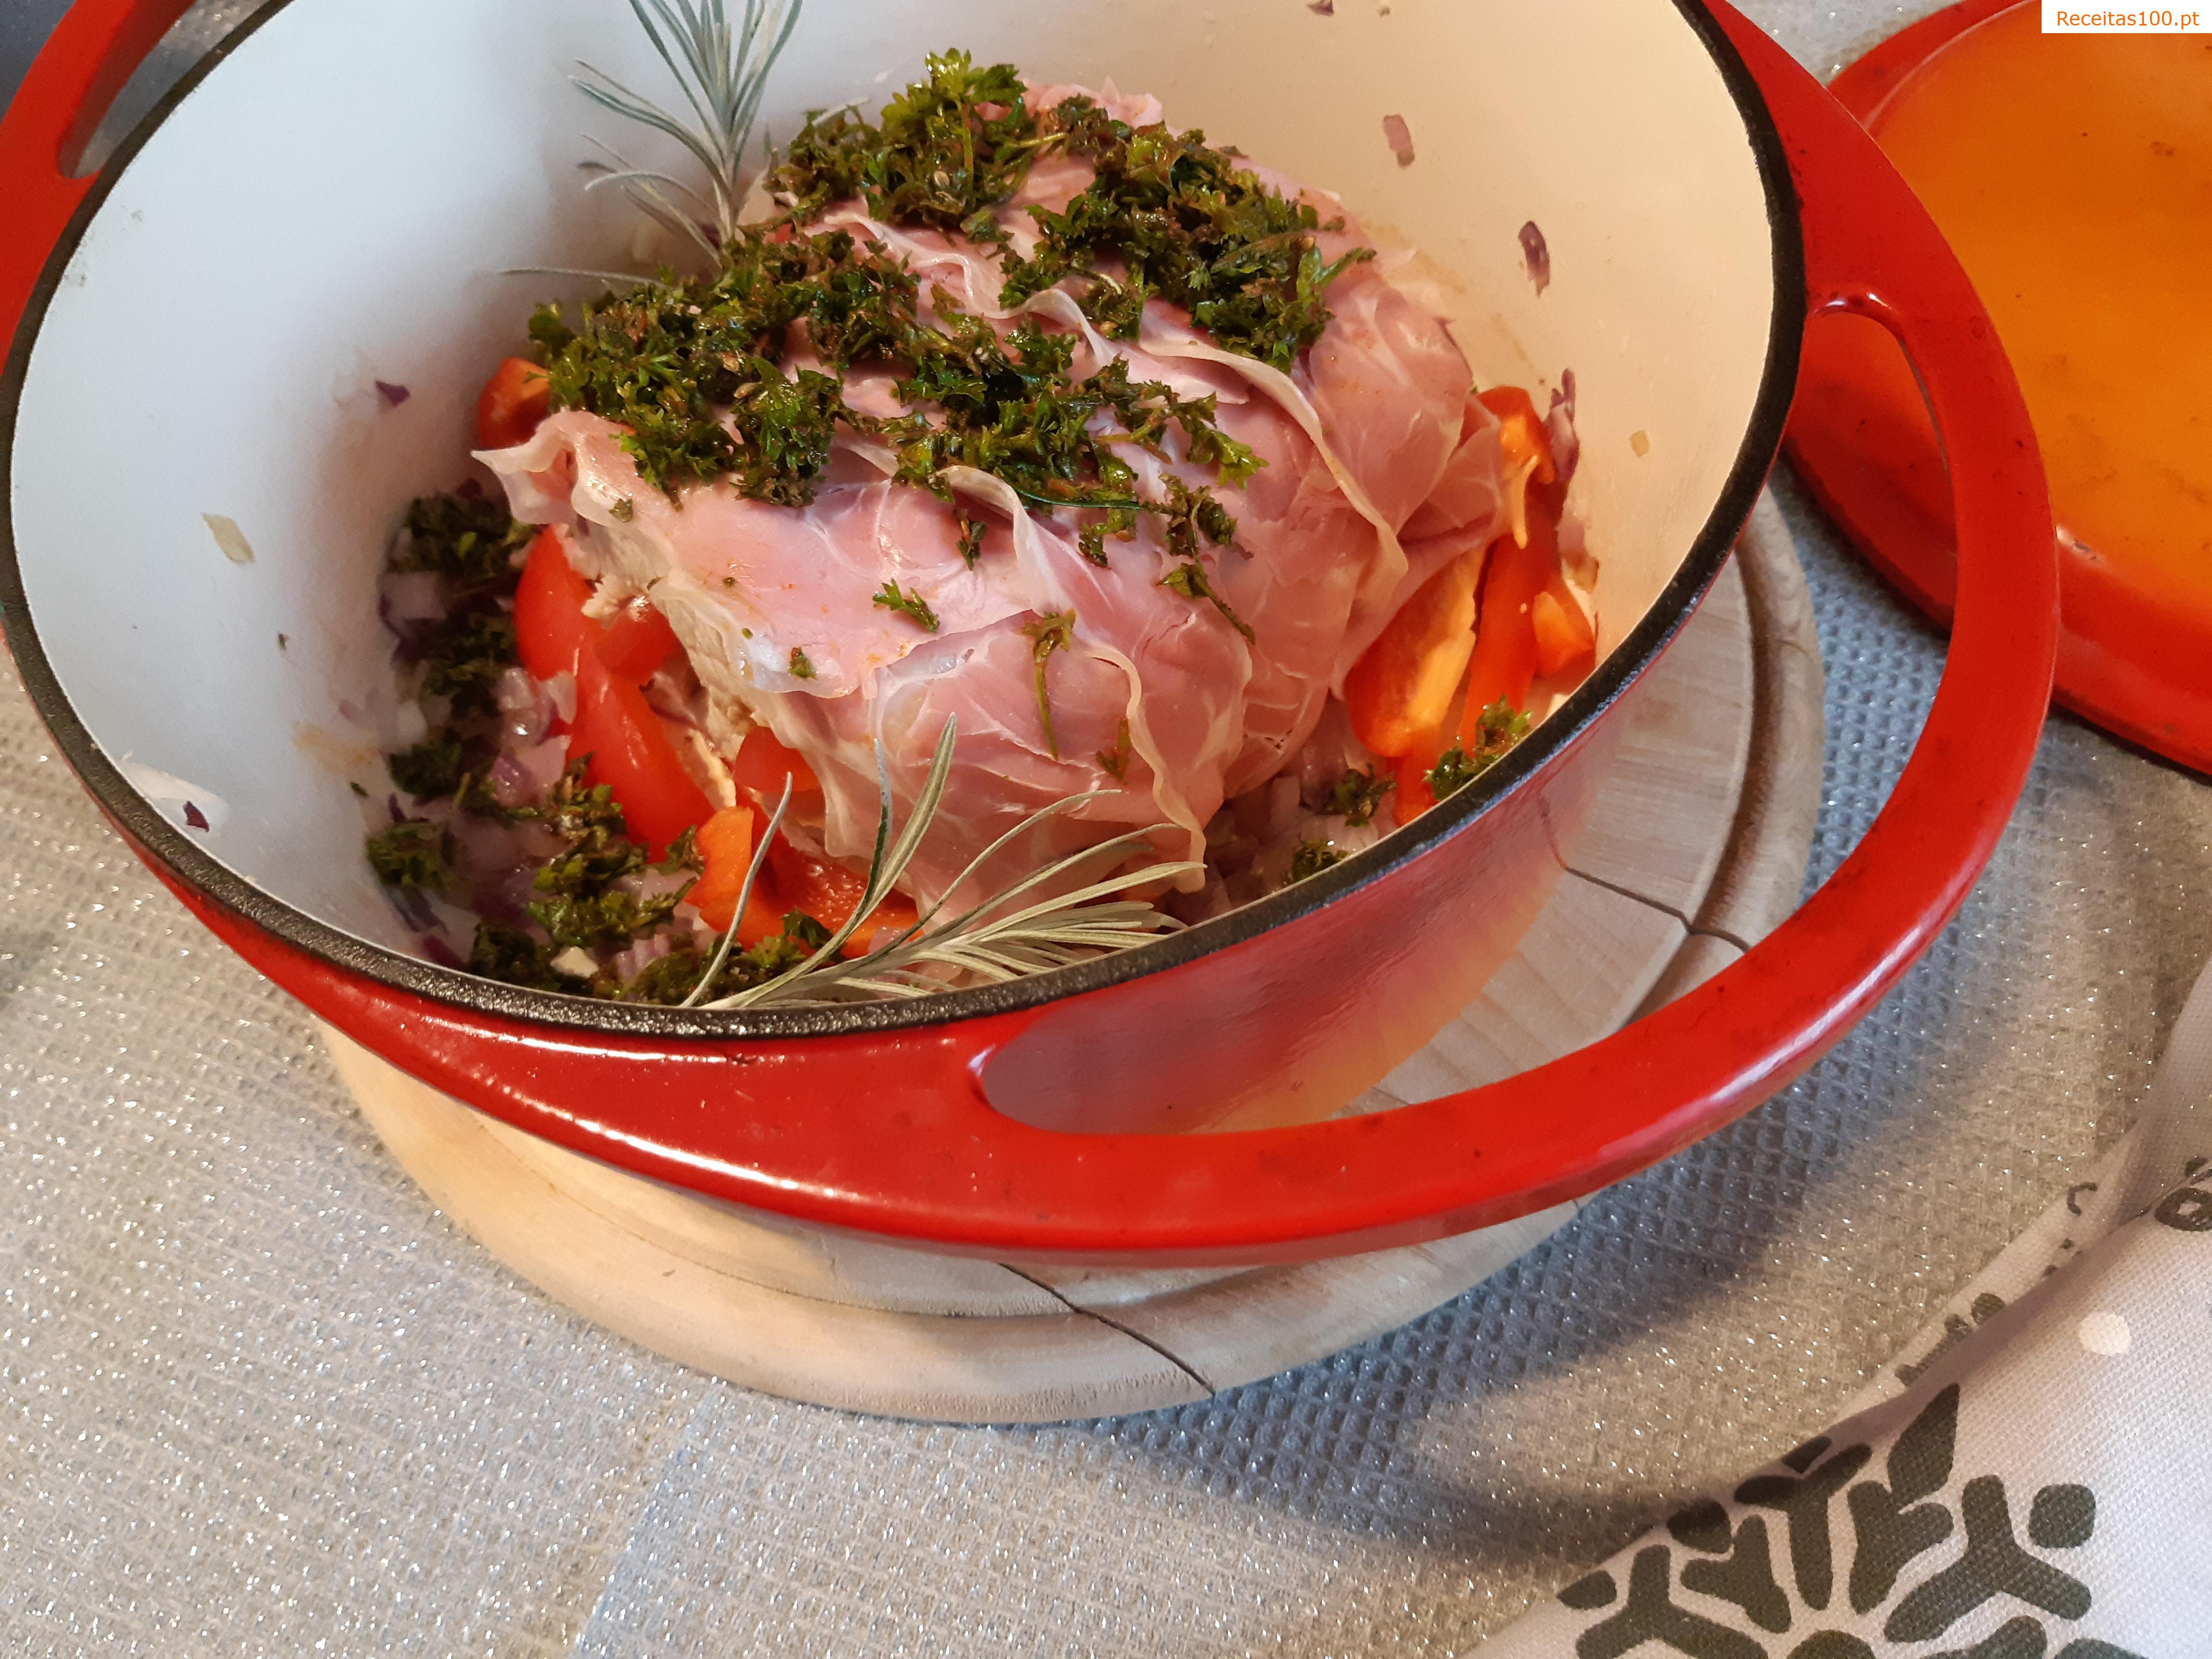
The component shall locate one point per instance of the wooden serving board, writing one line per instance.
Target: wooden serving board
(1696, 849)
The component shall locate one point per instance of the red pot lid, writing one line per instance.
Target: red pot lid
(2073, 175)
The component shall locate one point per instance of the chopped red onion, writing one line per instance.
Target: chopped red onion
(1566, 445)
(438, 951)
(194, 816)
(520, 777)
(472, 489)
(393, 396)
(1536, 254)
(1400, 136)
(526, 708)
(404, 596)
(414, 910)
(481, 844)
(630, 961)
(655, 883)
(510, 784)
(544, 762)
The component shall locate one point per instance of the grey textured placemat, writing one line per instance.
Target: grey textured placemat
(256, 1397)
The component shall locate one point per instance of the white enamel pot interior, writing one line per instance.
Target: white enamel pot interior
(333, 204)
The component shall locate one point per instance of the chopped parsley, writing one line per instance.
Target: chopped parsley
(1498, 728)
(937, 158)
(1047, 635)
(1312, 858)
(451, 663)
(432, 767)
(1191, 582)
(912, 606)
(1169, 215)
(801, 669)
(1356, 795)
(1115, 762)
(692, 366)
(970, 543)
(415, 852)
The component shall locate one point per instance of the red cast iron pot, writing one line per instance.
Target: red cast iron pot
(1012, 1121)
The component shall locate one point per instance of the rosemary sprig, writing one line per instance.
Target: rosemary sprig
(989, 940)
(722, 71)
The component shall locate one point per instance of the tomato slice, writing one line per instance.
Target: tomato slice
(636, 641)
(550, 627)
(551, 630)
(512, 404)
(625, 748)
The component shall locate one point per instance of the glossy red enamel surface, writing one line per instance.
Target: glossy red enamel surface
(2135, 642)
(892, 1133)
(91, 54)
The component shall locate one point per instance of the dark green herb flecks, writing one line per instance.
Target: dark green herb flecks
(453, 662)
(1047, 635)
(432, 767)
(970, 544)
(1312, 858)
(1169, 215)
(415, 854)
(1115, 762)
(1193, 583)
(801, 668)
(1356, 795)
(693, 367)
(1498, 729)
(948, 148)
(912, 606)
(515, 956)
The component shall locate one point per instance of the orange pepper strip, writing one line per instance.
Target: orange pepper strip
(1402, 685)
(1526, 435)
(1505, 637)
(1563, 632)
(726, 842)
(1413, 796)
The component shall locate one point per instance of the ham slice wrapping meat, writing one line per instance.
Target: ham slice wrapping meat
(1380, 467)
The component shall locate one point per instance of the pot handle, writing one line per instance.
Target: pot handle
(92, 52)
(891, 1135)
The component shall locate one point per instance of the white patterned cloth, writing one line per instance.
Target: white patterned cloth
(2033, 1476)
